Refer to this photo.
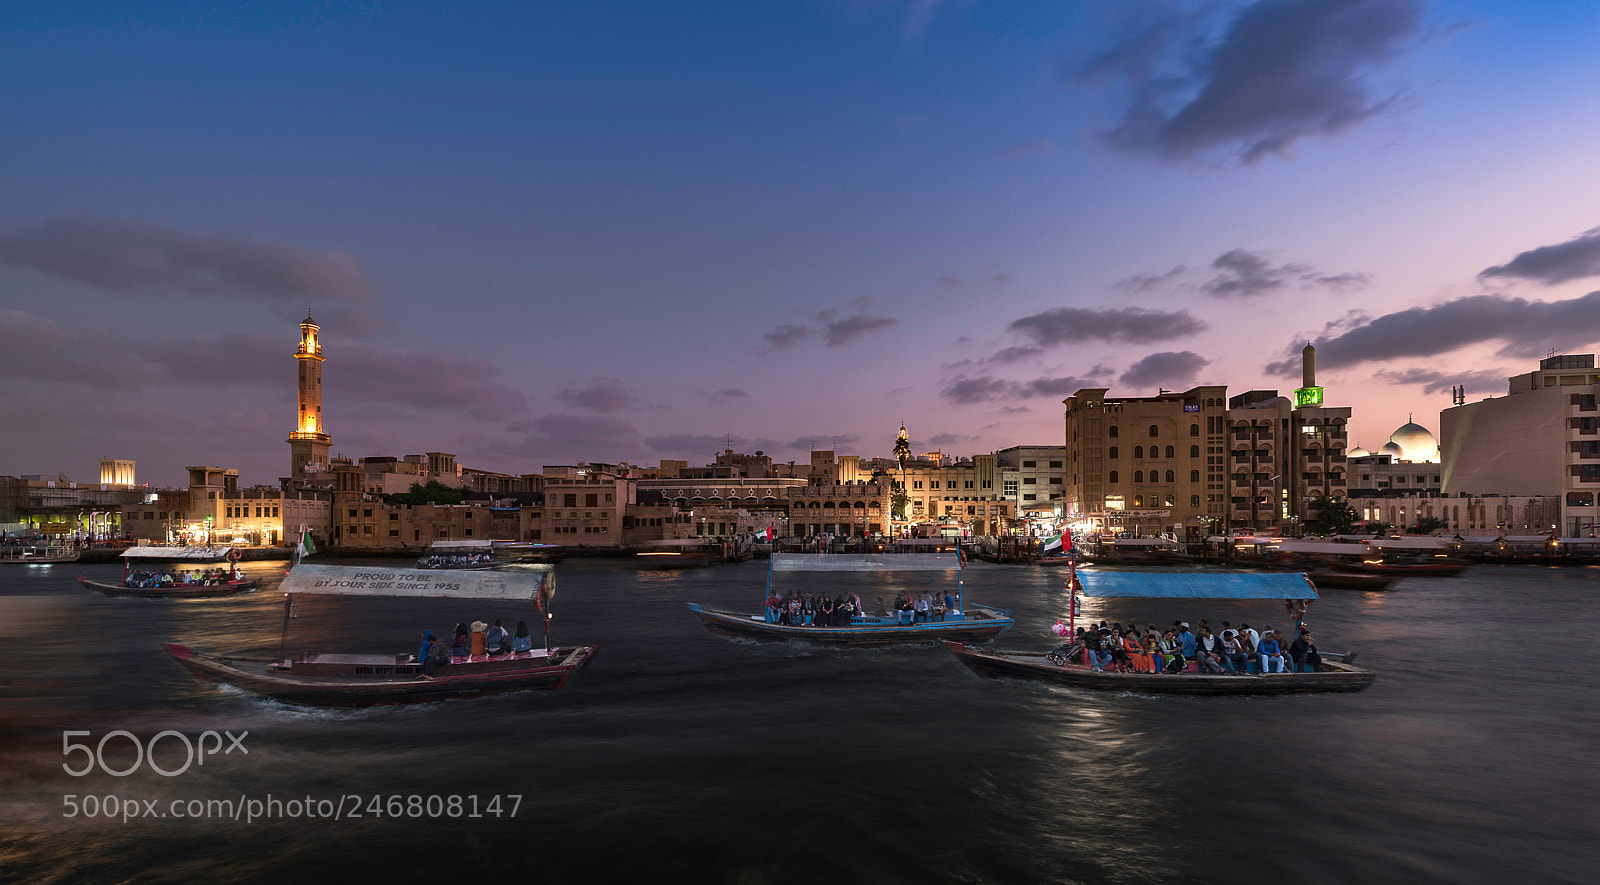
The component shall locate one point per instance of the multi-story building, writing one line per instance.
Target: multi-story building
(1543, 439)
(1284, 455)
(1145, 466)
(969, 494)
(1039, 482)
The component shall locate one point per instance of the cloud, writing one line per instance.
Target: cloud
(808, 443)
(1133, 325)
(836, 328)
(1433, 381)
(724, 393)
(130, 257)
(950, 281)
(999, 278)
(1279, 72)
(966, 391)
(1178, 369)
(1141, 282)
(950, 439)
(1575, 259)
(1044, 147)
(33, 348)
(1523, 328)
(1243, 274)
(847, 329)
(588, 437)
(692, 443)
(787, 336)
(603, 395)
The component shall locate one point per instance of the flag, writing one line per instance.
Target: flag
(305, 547)
(771, 533)
(1051, 544)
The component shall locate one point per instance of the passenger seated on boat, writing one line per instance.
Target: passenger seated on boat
(773, 605)
(1099, 656)
(1172, 659)
(478, 639)
(1138, 657)
(521, 642)
(1269, 652)
(924, 606)
(438, 656)
(499, 641)
(936, 609)
(427, 640)
(460, 643)
(903, 606)
(1208, 652)
(1235, 656)
(1303, 651)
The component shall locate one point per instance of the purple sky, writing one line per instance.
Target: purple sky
(634, 231)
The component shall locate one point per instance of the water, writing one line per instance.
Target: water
(683, 756)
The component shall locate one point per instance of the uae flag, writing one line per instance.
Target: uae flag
(1051, 544)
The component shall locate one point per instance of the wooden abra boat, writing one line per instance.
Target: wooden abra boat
(1342, 580)
(37, 554)
(976, 624)
(969, 624)
(203, 589)
(1441, 569)
(1337, 676)
(359, 680)
(1338, 673)
(346, 680)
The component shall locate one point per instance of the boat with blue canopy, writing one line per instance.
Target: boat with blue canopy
(1067, 666)
(964, 623)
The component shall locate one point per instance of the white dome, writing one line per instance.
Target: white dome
(1416, 443)
(1390, 448)
(1358, 452)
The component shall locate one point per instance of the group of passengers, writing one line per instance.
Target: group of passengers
(805, 610)
(455, 560)
(1135, 649)
(171, 578)
(478, 641)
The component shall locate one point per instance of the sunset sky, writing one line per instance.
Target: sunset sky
(541, 232)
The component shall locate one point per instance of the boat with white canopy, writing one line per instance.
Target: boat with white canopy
(368, 679)
(965, 622)
(1337, 673)
(178, 583)
(482, 554)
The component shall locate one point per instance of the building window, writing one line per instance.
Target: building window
(1194, 451)
(1138, 476)
(1171, 500)
(591, 500)
(1111, 452)
(1169, 452)
(1194, 430)
(569, 500)
(1030, 464)
(1138, 452)
(352, 513)
(1112, 431)
(1030, 481)
(1171, 477)
(967, 484)
(1056, 465)
(1112, 476)
(988, 483)
(366, 530)
(394, 533)
(916, 483)
(1194, 500)
(367, 512)
(949, 483)
(1194, 476)
(1155, 431)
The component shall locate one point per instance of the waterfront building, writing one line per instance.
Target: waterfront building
(1463, 514)
(968, 495)
(1542, 438)
(1407, 463)
(1039, 485)
(1146, 466)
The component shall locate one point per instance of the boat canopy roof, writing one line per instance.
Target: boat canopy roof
(1142, 542)
(1414, 542)
(1197, 585)
(864, 562)
(1320, 548)
(344, 580)
(200, 554)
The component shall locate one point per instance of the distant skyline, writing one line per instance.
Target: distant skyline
(538, 233)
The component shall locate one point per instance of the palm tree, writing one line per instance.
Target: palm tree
(902, 454)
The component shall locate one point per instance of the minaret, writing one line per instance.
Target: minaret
(308, 445)
(1309, 394)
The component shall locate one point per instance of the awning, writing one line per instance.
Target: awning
(864, 562)
(1196, 585)
(195, 554)
(480, 546)
(344, 580)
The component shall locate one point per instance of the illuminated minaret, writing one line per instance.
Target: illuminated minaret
(308, 445)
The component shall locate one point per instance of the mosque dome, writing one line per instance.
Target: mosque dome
(1357, 452)
(1391, 448)
(1416, 443)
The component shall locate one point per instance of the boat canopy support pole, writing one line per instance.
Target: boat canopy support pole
(283, 637)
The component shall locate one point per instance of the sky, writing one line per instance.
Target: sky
(536, 233)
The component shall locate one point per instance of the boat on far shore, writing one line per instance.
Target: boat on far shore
(1339, 579)
(178, 583)
(37, 554)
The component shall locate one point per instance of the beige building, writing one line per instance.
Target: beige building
(1542, 438)
(965, 494)
(1146, 466)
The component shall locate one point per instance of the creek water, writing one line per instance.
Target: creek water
(679, 755)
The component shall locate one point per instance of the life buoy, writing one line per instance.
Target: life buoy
(234, 555)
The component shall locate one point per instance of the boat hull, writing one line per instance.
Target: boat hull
(977, 625)
(1404, 570)
(177, 591)
(361, 680)
(1349, 580)
(1337, 677)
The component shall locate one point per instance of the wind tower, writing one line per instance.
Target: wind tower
(308, 444)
